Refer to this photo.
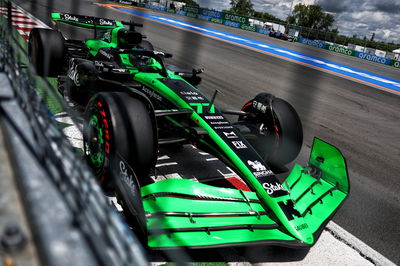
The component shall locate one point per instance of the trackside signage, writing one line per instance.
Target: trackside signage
(373, 58)
(238, 21)
(340, 49)
(211, 13)
(263, 31)
(217, 20)
(159, 8)
(232, 24)
(315, 43)
(191, 9)
(202, 17)
(236, 18)
(248, 27)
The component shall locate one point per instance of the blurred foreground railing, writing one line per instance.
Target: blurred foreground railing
(72, 222)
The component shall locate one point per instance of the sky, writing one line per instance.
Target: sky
(360, 17)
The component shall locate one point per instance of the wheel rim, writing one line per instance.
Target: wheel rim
(95, 148)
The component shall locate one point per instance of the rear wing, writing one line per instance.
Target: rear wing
(85, 21)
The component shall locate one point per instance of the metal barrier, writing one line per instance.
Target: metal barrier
(72, 220)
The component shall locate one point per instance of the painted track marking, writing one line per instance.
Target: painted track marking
(22, 21)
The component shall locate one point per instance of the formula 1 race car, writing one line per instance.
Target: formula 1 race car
(280, 35)
(136, 105)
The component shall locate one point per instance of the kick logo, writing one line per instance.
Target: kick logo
(256, 165)
(260, 169)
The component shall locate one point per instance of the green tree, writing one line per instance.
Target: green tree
(372, 37)
(266, 16)
(311, 16)
(242, 7)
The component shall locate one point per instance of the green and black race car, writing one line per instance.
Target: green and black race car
(136, 104)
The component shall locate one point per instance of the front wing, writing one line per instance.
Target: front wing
(185, 213)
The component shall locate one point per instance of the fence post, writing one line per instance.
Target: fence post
(9, 13)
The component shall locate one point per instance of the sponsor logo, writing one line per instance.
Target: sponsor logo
(98, 64)
(313, 43)
(124, 175)
(120, 70)
(194, 98)
(239, 145)
(220, 123)
(263, 173)
(106, 128)
(235, 18)
(107, 36)
(189, 93)
(217, 20)
(70, 17)
(104, 22)
(230, 135)
(105, 54)
(260, 107)
(261, 170)
(211, 13)
(248, 27)
(271, 188)
(73, 74)
(341, 50)
(301, 227)
(223, 127)
(214, 117)
(372, 58)
(256, 165)
(191, 9)
(200, 107)
(151, 94)
(232, 24)
(199, 16)
(125, 2)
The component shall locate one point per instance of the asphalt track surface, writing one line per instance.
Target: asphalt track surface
(362, 121)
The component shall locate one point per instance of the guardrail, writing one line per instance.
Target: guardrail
(72, 221)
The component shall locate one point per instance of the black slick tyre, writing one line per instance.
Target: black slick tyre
(282, 138)
(146, 45)
(118, 124)
(120, 146)
(46, 51)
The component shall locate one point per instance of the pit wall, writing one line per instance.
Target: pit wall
(242, 22)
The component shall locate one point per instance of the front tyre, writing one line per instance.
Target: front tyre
(119, 126)
(277, 132)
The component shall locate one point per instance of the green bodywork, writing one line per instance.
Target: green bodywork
(315, 198)
(238, 217)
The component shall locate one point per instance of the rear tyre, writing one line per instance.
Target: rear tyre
(46, 50)
(277, 132)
